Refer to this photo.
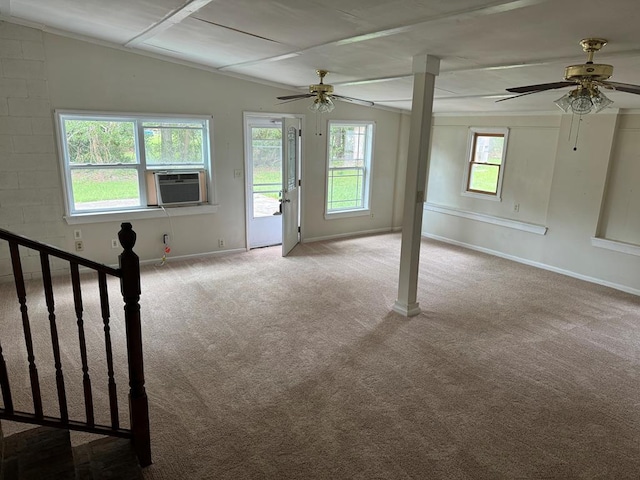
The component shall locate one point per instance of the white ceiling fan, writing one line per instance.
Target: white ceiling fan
(587, 78)
(324, 96)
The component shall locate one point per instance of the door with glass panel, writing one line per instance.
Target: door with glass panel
(264, 180)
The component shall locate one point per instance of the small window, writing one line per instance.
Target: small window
(350, 146)
(486, 158)
(106, 158)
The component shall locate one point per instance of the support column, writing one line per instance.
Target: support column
(425, 70)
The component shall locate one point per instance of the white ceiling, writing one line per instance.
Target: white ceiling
(368, 45)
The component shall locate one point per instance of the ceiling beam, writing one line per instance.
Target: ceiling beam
(172, 18)
(486, 68)
(492, 8)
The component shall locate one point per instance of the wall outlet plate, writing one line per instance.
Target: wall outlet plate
(114, 243)
(79, 245)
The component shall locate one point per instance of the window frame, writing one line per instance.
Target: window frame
(474, 133)
(367, 171)
(73, 215)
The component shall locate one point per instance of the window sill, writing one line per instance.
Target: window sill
(483, 196)
(142, 213)
(347, 213)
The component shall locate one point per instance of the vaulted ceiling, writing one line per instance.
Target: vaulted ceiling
(367, 45)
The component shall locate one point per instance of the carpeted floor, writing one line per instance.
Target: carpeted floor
(263, 367)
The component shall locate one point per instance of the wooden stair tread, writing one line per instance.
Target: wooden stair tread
(45, 453)
(41, 453)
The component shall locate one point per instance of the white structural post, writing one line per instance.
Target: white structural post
(425, 70)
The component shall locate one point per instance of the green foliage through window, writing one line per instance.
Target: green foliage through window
(349, 165)
(104, 162)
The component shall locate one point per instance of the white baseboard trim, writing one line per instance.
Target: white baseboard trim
(543, 266)
(347, 235)
(616, 246)
(481, 217)
(192, 255)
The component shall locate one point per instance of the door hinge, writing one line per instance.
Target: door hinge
(298, 229)
(300, 132)
(299, 182)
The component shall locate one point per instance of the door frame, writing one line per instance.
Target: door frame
(247, 187)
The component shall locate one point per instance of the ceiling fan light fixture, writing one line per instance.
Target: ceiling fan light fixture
(583, 100)
(322, 104)
(564, 103)
(600, 102)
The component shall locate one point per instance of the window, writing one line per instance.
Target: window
(106, 158)
(487, 151)
(350, 150)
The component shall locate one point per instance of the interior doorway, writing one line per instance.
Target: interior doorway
(270, 166)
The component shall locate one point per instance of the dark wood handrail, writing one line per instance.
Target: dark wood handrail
(56, 252)
(129, 275)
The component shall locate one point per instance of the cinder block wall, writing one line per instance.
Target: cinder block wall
(31, 201)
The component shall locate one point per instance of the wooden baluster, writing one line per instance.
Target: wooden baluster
(48, 294)
(130, 288)
(104, 305)
(86, 380)
(22, 298)
(4, 384)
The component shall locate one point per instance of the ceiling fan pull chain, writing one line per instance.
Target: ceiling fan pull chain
(575, 145)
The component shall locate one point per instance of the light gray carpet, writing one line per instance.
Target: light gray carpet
(262, 367)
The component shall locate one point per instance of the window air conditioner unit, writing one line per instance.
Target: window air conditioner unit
(180, 187)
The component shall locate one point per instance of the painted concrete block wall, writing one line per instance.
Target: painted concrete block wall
(569, 192)
(30, 199)
(42, 72)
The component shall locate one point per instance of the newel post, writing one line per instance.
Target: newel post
(130, 287)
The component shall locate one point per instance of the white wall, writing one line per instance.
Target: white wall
(42, 72)
(577, 195)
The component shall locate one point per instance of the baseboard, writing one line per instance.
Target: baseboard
(347, 235)
(543, 266)
(192, 255)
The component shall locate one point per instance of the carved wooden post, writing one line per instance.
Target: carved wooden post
(130, 288)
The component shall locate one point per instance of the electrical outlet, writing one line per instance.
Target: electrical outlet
(221, 242)
(79, 245)
(77, 234)
(516, 207)
(114, 243)
(237, 173)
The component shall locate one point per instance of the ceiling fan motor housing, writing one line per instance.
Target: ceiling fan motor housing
(590, 71)
(321, 88)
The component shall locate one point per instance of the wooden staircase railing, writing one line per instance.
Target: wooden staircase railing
(129, 275)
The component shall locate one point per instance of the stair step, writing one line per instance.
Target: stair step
(107, 459)
(41, 453)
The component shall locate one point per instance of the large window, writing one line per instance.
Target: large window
(350, 150)
(487, 153)
(106, 157)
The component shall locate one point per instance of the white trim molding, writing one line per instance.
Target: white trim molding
(481, 217)
(616, 246)
(124, 216)
(544, 266)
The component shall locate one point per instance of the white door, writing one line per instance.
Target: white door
(264, 166)
(290, 200)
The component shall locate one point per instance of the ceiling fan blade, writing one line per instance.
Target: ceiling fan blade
(622, 87)
(540, 88)
(357, 101)
(294, 97)
(516, 96)
(289, 101)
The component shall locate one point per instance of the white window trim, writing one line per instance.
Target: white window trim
(137, 212)
(497, 197)
(366, 208)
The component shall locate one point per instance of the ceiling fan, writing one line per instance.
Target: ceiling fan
(588, 78)
(324, 96)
